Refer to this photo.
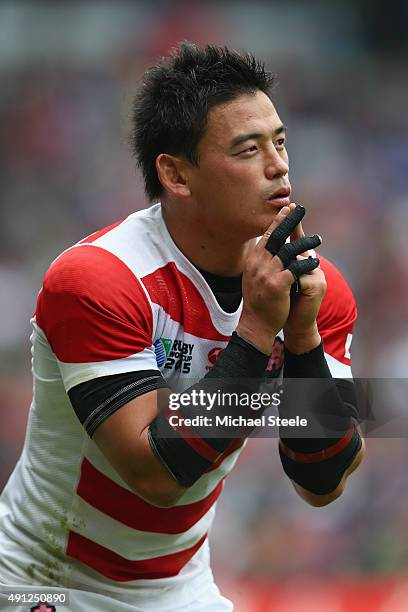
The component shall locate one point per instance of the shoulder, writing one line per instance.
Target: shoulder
(339, 306)
(90, 301)
(86, 269)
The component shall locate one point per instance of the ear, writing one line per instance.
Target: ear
(172, 174)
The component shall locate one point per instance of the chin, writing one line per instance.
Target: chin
(265, 223)
(254, 226)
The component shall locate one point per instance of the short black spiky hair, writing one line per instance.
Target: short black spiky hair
(169, 113)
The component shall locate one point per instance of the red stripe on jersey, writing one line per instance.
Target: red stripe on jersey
(337, 314)
(93, 308)
(178, 296)
(126, 507)
(95, 235)
(114, 566)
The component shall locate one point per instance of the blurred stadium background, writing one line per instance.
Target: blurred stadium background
(68, 71)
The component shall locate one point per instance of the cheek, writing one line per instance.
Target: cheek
(236, 180)
(220, 183)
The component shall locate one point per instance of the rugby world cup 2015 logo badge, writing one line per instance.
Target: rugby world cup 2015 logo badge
(175, 355)
(162, 348)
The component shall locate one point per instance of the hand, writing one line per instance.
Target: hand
(266, 282)
(300, 330)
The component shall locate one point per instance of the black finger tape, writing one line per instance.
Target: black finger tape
(291, 249)
(284, 230)
(303, 266)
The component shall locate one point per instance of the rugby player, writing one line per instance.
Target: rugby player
(202, 288)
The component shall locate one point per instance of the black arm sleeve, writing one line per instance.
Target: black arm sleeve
(95, 400)
(239, 369)
(318, 463)
(310, 390)
(323, 475)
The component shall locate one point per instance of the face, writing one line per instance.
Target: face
(241, 181)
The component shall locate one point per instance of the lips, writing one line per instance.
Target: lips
(284, 192)
(281, 197)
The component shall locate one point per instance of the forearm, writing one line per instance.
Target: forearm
(318, 462)
(318, 500)
(298, 343)
(123, 440)
(156, 484)
(189, 452)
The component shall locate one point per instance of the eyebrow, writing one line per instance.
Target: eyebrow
(254, 136)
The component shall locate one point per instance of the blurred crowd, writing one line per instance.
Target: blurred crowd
(68, 73)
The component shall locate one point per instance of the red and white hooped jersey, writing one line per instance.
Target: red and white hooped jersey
(121, 300)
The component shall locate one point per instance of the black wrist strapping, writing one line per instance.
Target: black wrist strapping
(316, 463)
(307, 365)
(186, 451)
(316, 472)
(240, 359)
(310, 392)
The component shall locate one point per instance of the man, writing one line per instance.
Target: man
(109, 499)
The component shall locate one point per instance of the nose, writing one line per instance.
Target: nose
(276, 164)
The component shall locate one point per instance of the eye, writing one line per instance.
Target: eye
(250, 149)
(280, 143)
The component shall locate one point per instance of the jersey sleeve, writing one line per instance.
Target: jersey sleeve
(335, 321)
(96, 316)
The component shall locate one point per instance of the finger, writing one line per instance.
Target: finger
(290, 250)
(297, 232)
(279, 235)
(303, 266)
(295, 289)
(275, 223)
(303, 284)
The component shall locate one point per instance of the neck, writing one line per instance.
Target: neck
(210, 249)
